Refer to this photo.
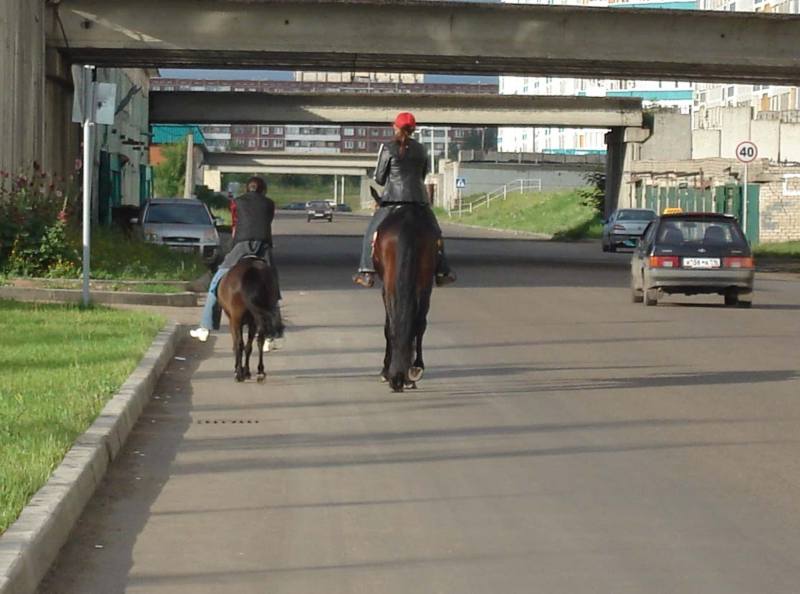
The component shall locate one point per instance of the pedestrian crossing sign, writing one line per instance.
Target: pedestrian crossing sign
(461, 182)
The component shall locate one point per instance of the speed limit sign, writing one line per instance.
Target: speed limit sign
(746, 152)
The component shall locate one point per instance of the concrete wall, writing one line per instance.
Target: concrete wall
(671, 138)
(779, 207)
(735, 128)
(706, 144)
(22, 84)
(790, 143)
(766, 135)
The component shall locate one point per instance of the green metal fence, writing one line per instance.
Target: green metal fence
(726, 199)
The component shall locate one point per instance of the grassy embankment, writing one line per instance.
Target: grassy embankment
(58, 367)
(559, 214)
(783, 250)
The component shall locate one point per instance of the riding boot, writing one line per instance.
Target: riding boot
(444, 275)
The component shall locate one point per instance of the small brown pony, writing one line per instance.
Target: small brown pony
(405, 259)
(249, 296)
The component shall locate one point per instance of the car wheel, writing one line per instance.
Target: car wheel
(731, 299)
(612, 247)
(650, 295)
(605, 247)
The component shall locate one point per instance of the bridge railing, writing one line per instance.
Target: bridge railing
(485, 200)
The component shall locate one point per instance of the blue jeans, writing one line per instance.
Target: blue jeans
(207, 321)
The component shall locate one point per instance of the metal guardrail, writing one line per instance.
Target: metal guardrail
(517, 185)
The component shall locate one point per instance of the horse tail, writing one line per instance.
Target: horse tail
(403, 305)
(260, 303)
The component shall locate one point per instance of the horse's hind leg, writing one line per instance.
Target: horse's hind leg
(261, 375)
(248, 349)
(238, 346)
(387, 358)
(418, 367)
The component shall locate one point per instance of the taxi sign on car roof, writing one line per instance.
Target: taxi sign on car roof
(673, 210)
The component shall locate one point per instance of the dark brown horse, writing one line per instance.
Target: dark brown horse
(249, 296)
(405, 259)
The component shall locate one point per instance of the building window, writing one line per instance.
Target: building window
(362, 131)
(362, 144)
(348, 131)
(374, 131)
(278, 130)
(348, 144)
(265, 143)
(264, 130)
(277, 143)
(458, 133)
(251, 144)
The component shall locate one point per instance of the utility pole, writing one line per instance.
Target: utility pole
(188, 182)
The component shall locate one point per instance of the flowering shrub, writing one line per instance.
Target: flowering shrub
(35, 212)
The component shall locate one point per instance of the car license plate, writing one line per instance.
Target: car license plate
(701, 263)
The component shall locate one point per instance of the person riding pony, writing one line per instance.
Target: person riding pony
(401, 169)
(253, 213)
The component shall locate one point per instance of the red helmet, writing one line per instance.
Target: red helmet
(405, 120)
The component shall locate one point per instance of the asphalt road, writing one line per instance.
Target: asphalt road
(563, 440)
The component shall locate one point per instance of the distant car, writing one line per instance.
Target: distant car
(294, 206)
(693, 253)
(183, 224)
(319, 209)
(343, 208)
(624, 227)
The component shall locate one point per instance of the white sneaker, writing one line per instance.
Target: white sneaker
(200, 334)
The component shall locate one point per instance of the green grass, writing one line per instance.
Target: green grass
(785, 249)
(58, 367)
(142, 287)
(560, 214)
(116, 257)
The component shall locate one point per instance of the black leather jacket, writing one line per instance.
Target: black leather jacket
(403, 178)
(254, 214)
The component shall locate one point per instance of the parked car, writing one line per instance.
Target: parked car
(343, 208)
(693, 253)
(183, 224)
(319, 209)
(294, 206)
(624, 227)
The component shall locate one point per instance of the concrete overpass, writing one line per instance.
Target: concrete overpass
(452, 37)
(354, 164)
(355, 108)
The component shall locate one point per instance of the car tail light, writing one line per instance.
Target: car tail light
(738, 262)
(665, 262)
(619, 228)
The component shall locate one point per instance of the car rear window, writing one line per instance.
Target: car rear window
(636, 215)
(318, 205)
(719, 232)
(177, 214)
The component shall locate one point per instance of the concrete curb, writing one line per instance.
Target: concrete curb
(31, 544)
(183, 299)
(527, 234)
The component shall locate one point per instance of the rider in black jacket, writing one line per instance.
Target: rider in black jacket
(401, 169)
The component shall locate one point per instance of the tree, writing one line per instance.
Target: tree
(171, 172)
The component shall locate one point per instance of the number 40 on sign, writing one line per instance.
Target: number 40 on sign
(746, 152)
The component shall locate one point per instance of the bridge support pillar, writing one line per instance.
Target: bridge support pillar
(618, 155)
(212, 179)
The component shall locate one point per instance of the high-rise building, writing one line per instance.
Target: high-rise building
(668, 94)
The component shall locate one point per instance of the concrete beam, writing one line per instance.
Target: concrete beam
(354, 108)
(454, 37)
(296, 169)
(309, 160)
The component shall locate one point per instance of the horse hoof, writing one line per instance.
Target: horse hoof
(239, 378)
(247, 375)
(383, 379)
(415, 374)
(261, 377)
(411, 385)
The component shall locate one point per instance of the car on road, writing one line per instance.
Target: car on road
(319, 209)
(624, 227)
(294, 206)
(691, 254)
(183, 224)
(343, 208)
